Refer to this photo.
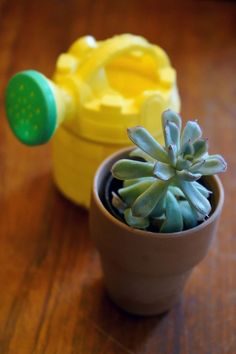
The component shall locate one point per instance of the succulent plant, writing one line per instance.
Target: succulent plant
(160, 188)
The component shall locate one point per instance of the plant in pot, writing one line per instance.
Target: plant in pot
(154, 212)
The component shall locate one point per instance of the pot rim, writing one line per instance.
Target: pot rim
(144, 233)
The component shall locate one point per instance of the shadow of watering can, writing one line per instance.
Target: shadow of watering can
(99, 89)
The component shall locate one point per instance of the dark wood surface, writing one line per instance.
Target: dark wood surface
(52, 298)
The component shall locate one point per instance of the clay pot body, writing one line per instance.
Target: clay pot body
(145, 272)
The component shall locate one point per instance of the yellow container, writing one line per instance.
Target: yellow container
(99, 89)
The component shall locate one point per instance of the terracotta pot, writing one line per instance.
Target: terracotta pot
(145, 272)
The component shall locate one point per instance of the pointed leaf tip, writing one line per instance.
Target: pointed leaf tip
(171, 116)
(192, 131)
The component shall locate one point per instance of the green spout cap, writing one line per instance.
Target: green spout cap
(31, 107)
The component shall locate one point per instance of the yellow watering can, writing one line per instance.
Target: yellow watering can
(98, 90)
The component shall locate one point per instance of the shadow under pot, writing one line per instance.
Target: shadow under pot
(145, 272)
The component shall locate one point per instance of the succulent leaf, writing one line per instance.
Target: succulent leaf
(172, 155)
(200, 148)
(141, 154)
(131, 193)
(183, 164)
(192, 132)
(195, 198)
(190, 217)
(130, 182)
(167, 135)
(147, 201)
(163, 171)
(213, 164)
(188, 176)
(176, 191)
(174, 219)
(129, 169)
(159, 209)
(171, 116)
(144, 140)
(196, 165)
(187, 149)
(205, 192)
(136, 222)
(172, 134)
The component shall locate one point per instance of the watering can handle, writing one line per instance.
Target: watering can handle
(35, 106)
(117, 46)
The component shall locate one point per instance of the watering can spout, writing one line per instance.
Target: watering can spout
(35, 107)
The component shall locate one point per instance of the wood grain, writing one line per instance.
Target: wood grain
(52, 298)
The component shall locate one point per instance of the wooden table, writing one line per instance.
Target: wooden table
(52, 298)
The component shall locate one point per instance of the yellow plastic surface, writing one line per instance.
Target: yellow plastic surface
(102, 88)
